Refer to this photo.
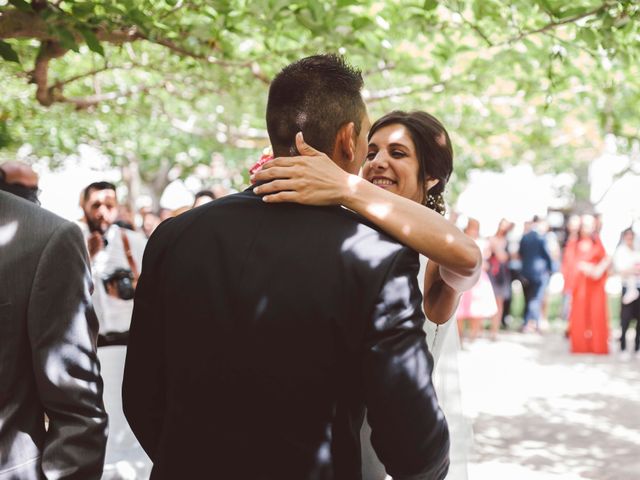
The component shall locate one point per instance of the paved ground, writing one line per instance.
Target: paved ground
(541, 413)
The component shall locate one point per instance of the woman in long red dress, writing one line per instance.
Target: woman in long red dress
(589, 317)
(569, 267)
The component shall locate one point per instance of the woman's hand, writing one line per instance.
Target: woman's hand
(311, 178)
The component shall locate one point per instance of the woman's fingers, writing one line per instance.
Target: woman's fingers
(273, 173)
(279, 162)
(281, 197)
(276, 186)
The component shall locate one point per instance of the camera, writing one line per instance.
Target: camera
(120, 284)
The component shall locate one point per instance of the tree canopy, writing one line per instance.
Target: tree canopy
(161, 86)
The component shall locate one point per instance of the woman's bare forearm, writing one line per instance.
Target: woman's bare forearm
(440, 300)
(413, 224)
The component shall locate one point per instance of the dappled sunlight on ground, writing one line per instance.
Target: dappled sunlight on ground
(540, 413)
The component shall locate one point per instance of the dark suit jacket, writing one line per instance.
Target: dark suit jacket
(48, 361)
(536, 260)
(259, 334)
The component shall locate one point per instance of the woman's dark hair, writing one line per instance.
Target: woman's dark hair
(433, 149)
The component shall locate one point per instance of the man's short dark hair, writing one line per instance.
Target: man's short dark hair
(96, 186)
(316, 95)
(205, 193)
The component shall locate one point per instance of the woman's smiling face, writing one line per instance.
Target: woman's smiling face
(392, 162)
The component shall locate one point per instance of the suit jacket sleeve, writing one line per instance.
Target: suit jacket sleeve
(143, 387)
(63, 329)
(409, 431)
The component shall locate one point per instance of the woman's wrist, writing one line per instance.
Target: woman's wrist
(349, 190)
(459, 283)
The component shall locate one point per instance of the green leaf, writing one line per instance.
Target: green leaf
(430, 4)
(21, 5)
(7, 52)
(67, 40)
(80, 10)
(589, 37)
(317, 13)
(347, 3)
(92, 41)
(360, 23)
(546, 6)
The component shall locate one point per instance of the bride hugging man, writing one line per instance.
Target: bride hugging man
(267, 322)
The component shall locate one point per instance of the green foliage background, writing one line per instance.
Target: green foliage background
(163, 85)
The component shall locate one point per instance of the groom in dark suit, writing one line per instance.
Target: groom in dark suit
(261, 332)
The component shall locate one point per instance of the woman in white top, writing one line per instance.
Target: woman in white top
(626, 262)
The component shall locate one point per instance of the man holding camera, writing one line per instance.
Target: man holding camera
(116, 261)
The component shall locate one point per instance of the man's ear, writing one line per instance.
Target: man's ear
(345, 146)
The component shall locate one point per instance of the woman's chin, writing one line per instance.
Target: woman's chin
(390, 188)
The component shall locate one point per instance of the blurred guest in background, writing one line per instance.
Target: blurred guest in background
(589, 317)
(116, 259)
(499, 268)
(479, 303)
(202, 197)
(626, 262)
(150, 222)
(19, 179)
(126, 218)
(569, 268)
(116, 262)
(537, 266)
(555, 252)
(165, 213)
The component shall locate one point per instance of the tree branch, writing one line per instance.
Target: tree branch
(17, 24)
(378, 95)
(631, 168)
(178, 6)
(473, 26)
(49, 50)
(93, 100)
(385, 67)
(553, 25)
(572, 45)
(61, 83)
(252, 65)
(238, 137)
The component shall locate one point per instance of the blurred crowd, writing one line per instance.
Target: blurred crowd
(525, 260)
(519, 261)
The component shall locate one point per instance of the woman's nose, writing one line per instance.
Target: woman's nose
(379, 162)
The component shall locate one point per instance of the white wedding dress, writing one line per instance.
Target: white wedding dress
(444, 344)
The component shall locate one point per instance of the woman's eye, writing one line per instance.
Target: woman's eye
(397, 154)
(371, 155)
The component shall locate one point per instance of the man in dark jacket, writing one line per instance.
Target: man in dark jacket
(48, 362)
(260, 332)
(537, 266)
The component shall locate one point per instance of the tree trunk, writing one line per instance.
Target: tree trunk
(157, 182)
(131, 177)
